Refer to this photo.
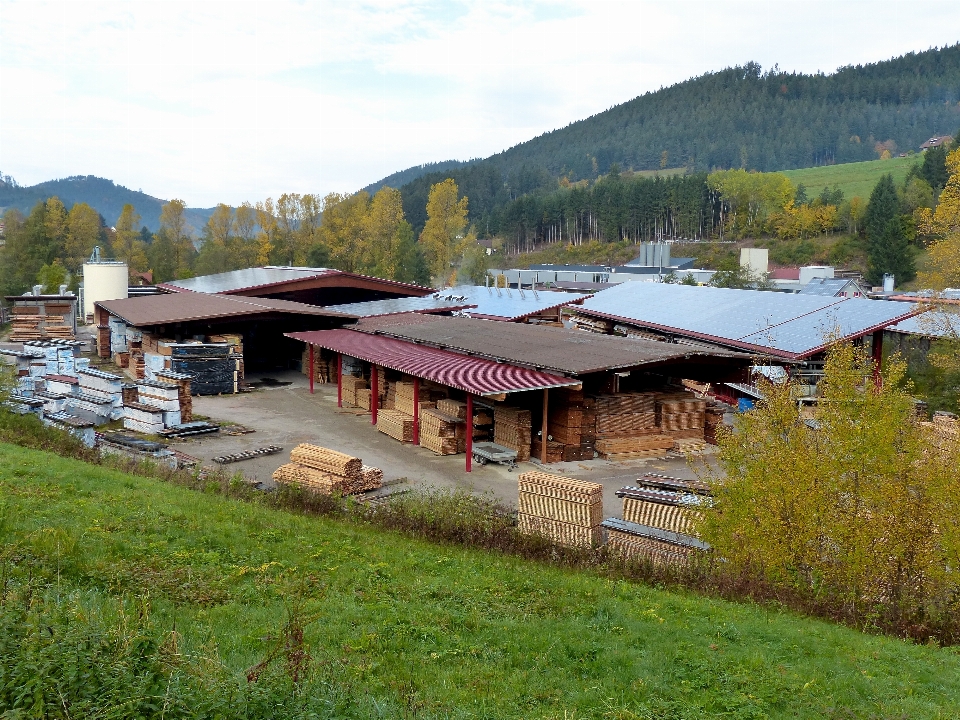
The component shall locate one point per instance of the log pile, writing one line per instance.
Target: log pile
(327, 471)
(396, 424)
(512, 428)
(565, 510)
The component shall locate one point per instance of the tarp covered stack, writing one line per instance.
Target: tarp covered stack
(327, 471)
(659, 516)
(565, 510)
(213, 368)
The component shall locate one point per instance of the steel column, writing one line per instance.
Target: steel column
(469, 432)
(543, 430)
(416, 411)
(311, 369)
(374, 393)
(877, 357)
(339, 379)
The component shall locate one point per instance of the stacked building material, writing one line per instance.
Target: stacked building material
(625, 415)
(439, 432)
(453, 408)
(143, 418)
(40, 321)
(103, 386)
(404, 398)
(712, 419)
(630, 448)
(512, 428)
(79, 428)
(97, 410)
(212, 367)
(588, 428)
(592, 324)
(162, 395)
(659, 516)
(53, 403)
(362, 398)
(327, 471)
(185, 398)
(324, 365)
(130, 393)
(63, 384)
(682, 417)
(103, 341)
(565, 510)
(396, 424)
(349, 387)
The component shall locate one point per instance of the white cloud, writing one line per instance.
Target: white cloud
(229, 101)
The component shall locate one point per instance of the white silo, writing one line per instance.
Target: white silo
(103, 280)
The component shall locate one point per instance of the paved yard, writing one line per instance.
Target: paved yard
(289, 415)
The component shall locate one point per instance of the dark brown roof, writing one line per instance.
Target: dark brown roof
(575, 352)
(180, 307)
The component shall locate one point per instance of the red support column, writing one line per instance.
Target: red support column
(374, 393)
(469, 432)
(877, 357)
(311, 370)
(416, 411)
(543, 430)
(339, 379)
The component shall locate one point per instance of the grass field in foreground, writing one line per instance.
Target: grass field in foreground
(411, 629)
(855, 179)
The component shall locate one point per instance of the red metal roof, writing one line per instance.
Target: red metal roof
(470, 374)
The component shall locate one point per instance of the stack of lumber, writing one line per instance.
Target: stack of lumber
(324, 365)
(629, 448)
(362, 398)
(396, 424)
(661, 547)
(567, 511)
(625, 415)
(565, 420)
(403, 399)
(440, 432)
(103, 341)
(554, 451)
(453, 408)
(34, 322)
(349, 387)
(512, 428)
(592, 324)
(184, 397)
(588, 428)
(682, 417)
(712, 419)
(327, 471)
(143, 418)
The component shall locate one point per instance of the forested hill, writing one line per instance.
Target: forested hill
(403, 177)
(744, 117)
(104, 196)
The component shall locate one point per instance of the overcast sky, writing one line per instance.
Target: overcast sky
(230, 101)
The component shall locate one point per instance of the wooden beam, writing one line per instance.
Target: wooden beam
(877, 358)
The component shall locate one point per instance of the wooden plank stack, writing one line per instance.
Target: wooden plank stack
(566, 510)
(630, 448)
(40, 322)
(395, 424)
(512, 428)
(404, 398)
(712, 419)
(350, 385)
(682, 416)
(625, 415)
(184, 397)
(453, 408)
(327, 471)
(661, 547)
(440, 432)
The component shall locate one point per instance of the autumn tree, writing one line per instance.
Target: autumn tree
(344, 229)
(128, 245)
(381, 233)
(943, 226)
(267, 222)
(411, 263)
(173, 221)
(443, 238)
(860, 509)
(83, 234)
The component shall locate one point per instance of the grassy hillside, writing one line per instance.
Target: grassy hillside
(200, 591)
(855, 179)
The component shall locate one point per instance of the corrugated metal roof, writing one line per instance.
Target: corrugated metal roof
(785, 325)
(476, 300)
(470, 374)
(181, 307)
(827, 287)
(246, 279)
(930, 324)
(275, 277)
(550, 348)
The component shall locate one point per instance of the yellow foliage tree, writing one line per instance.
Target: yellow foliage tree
(267, 221)
(862, 510)
(943, 225)
(383, 219)
(128, 245)
(443, 238)
(344, 229)
(83, 232)
(173, 220)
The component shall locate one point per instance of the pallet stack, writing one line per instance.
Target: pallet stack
(659, 517)
(184, 396)
(327, 471)
(682, 417)
(513, 428)
(567, 511)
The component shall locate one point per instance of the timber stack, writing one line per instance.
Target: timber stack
(349, 387)
(566, 510)
(395, 424)
(682, 417)
(440, 432)
(659, 518)
(327, 471)
(512, 428)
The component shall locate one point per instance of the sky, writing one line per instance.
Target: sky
(242, 100)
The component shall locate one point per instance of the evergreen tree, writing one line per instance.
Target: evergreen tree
(411, 265)
(890, 252)
(883, 207)
(934, 167)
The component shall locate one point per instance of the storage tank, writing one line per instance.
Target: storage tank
(103, 280)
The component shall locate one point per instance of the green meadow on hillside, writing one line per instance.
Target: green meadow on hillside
(855, 179)
(180, 596)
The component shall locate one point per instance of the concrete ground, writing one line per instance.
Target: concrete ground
(289, 415)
